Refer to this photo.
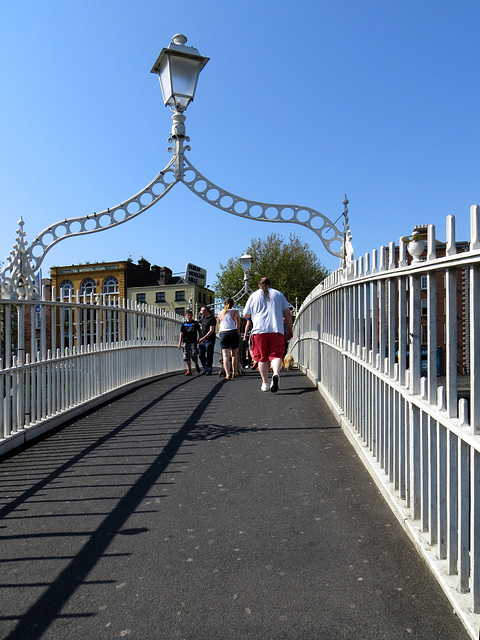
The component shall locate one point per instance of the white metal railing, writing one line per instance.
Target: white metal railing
(359, 336)
(58, 358)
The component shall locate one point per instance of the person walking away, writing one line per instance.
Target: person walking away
(229, 335)
(207, 340)
(267, 309)
(189, 333)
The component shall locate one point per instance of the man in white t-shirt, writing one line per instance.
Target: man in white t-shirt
(270, 314)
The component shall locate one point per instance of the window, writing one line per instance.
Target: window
(65, 287)
(88, 286)
(423, 282)
(424, 307)
(423, 334)
(180, 311)
(160, 296)
(179, 296)
(110, 285)
(141, 298)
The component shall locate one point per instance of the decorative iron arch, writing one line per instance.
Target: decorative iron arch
(17, 279)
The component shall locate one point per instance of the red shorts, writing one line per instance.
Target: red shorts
(267, 346)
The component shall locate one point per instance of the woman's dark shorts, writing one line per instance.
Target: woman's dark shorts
(229, 339)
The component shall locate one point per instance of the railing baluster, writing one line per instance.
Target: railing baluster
(442, 534)
(475, 531)
(464, 463)
(414, 348)
(451, 324)
(452, 502)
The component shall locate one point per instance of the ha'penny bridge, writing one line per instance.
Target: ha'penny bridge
(137, 502)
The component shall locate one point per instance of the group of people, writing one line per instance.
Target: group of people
(269, 321)
(198, 339)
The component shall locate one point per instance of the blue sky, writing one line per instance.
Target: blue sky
(300, 103)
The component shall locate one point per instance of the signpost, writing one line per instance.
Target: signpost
(196, 275)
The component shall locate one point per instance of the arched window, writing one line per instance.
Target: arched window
(110, 285)
(65, 287)
(88, 286)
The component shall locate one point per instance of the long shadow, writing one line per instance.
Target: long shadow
(298, 392)
(45, 481)
(216, 431)
(41, 614)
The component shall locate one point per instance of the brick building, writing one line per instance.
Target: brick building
(462, 295)
(142, 283)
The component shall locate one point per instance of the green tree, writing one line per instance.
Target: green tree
(292, 267)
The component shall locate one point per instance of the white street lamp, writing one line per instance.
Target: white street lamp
(246, 262)
(178, 68)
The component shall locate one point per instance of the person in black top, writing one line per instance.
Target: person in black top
(189, 332)
(207, 340)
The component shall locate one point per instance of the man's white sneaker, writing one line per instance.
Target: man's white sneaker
(265, 386)
(274, 383)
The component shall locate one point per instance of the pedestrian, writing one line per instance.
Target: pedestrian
(247, 337)
(207, 340)
(229, 335)
(267, 309)
(189, 333)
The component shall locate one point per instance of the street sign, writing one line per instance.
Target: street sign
(195, 274)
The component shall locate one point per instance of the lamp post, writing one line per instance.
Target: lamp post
(246, 262)
(178, 67)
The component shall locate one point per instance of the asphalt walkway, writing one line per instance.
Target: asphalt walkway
(200, 509)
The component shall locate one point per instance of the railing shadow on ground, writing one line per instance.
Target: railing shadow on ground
(34, 622)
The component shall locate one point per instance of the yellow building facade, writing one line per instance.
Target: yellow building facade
(100, 277)
(175, 297)
(142, 283)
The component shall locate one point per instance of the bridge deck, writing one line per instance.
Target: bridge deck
(200, 509)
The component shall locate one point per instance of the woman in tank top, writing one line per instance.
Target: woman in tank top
(229, 334)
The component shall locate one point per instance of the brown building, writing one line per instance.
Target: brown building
(462, 294)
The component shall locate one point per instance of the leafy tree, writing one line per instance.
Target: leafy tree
(292, 267)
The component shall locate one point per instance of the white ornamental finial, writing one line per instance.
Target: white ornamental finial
(17, 277)
(179, 38)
